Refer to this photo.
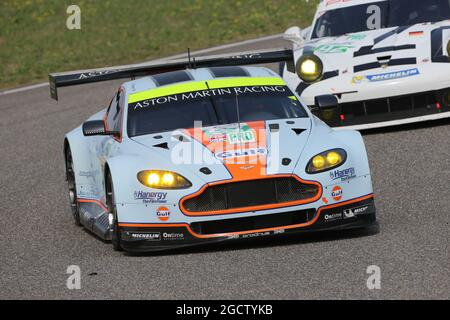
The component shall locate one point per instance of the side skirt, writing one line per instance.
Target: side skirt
(94, 217)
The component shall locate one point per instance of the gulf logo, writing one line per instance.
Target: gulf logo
(163, 213)
(336, 193)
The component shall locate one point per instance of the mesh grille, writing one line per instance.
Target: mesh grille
(253, 223)
(251, 193)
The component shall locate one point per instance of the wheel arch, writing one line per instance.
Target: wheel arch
(66, 146)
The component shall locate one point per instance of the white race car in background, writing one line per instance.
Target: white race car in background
(387, 61)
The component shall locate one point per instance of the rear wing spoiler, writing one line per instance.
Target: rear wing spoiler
(65, 79)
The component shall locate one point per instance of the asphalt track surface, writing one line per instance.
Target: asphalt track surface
(38, 239)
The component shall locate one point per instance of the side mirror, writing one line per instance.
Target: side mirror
(326, 102)
(327, 109)
(294, 34)
(94, 128)
(97, 128)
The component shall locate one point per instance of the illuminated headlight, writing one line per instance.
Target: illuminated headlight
(158, 179)
(310, 68)
(326, 161)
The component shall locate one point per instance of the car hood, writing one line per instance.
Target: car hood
(248, 151)
(403, 45)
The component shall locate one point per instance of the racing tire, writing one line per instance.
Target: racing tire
(72, 188)
(112, 210)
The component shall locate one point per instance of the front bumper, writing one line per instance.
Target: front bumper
(357, 213)
(389, 111)
(378, 104)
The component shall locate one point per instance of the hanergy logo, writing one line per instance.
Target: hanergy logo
(241, 153)
(346, 174)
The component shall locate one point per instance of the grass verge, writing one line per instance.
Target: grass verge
(35, 41)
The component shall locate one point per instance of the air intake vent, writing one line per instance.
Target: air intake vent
(238, 196)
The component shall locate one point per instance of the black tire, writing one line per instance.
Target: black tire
(111, 204)
(72, 188)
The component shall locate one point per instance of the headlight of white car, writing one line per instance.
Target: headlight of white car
(310, 68)
(158, 179)
(326, 161)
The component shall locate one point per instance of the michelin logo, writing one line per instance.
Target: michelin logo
(352, 213)
(393, 75)
(344, 175)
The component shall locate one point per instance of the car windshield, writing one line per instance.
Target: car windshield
(213, 107)
(379, 15)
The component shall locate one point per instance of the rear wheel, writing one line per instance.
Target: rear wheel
(72, 187)
(112, 211)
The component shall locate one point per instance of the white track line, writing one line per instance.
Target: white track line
(35, 86)
(222, 47)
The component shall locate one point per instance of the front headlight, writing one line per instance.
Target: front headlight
(158, 179)
(310, 68)
(326, 161)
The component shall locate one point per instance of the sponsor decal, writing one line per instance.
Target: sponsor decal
(386, 76)
(233, 135)
(173, 236)
(337, 193)
(246, 167)
(205, 94)
(352, 213)
(89, 174)
(333, 48)
(242, 136)
(218, 138)
(241, 153)
(344, 175)
(163, 213)
(357, 37)
(150, 236)
(96, 74)
(151, 197)
(256, 234)
(358, 79)
(332, 217)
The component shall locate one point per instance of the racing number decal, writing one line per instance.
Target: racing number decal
(437, 49)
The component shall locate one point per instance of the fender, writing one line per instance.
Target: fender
(351, 141)
(88, 170)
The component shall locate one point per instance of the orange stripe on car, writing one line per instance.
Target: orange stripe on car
(231, 139)
(99, 203)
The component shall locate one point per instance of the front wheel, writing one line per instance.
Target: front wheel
(72, 187)
(112, 211)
